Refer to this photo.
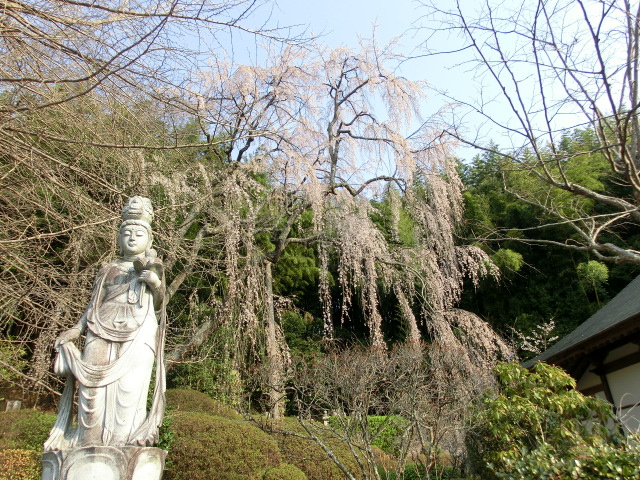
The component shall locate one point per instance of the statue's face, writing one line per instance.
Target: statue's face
(133, 239)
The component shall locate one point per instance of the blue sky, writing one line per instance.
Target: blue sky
(342, 22)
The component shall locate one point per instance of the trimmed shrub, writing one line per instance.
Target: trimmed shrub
(185, 400)
(19, 464)
(206, 447)
(417, 471)
(25, 429)
(414, 471)
(284, 471)
(308, 456)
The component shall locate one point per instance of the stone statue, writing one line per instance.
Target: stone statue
(125, 330)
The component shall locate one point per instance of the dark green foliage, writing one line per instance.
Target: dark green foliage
(412, 471)
(206, 447)
(393, 219)
(537, 426)
(302, 331)
(212, 373)
(165, 434)
(25, 429)
(284, 471)
(386, 432)
(539, 282)
(417, 471)
(296, 274)
(184, 400)
(602, 461)
(308, 456)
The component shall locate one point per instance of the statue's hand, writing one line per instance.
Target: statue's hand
(67, 336)
(150, 278)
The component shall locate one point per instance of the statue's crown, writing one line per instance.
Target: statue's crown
(138, 208)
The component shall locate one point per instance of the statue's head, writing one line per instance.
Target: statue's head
(135, 235)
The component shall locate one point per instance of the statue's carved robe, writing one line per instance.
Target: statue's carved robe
(114, 370)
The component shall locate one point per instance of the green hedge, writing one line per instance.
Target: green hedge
(22, 435)
(25, 429)
(284, 471)
(308, 456)
(185, 400)
(206, 447)
(20, 464)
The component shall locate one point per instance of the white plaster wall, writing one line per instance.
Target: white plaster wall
(588, 379)
(623, 351)
(624, 384)
(625, 389)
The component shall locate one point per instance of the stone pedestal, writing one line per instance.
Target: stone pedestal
(104, 463)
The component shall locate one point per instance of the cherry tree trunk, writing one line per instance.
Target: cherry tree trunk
(274, 351)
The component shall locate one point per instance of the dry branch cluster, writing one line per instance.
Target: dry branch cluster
(546, 70)
(97, 103)
(423, 394)
(90, 102)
